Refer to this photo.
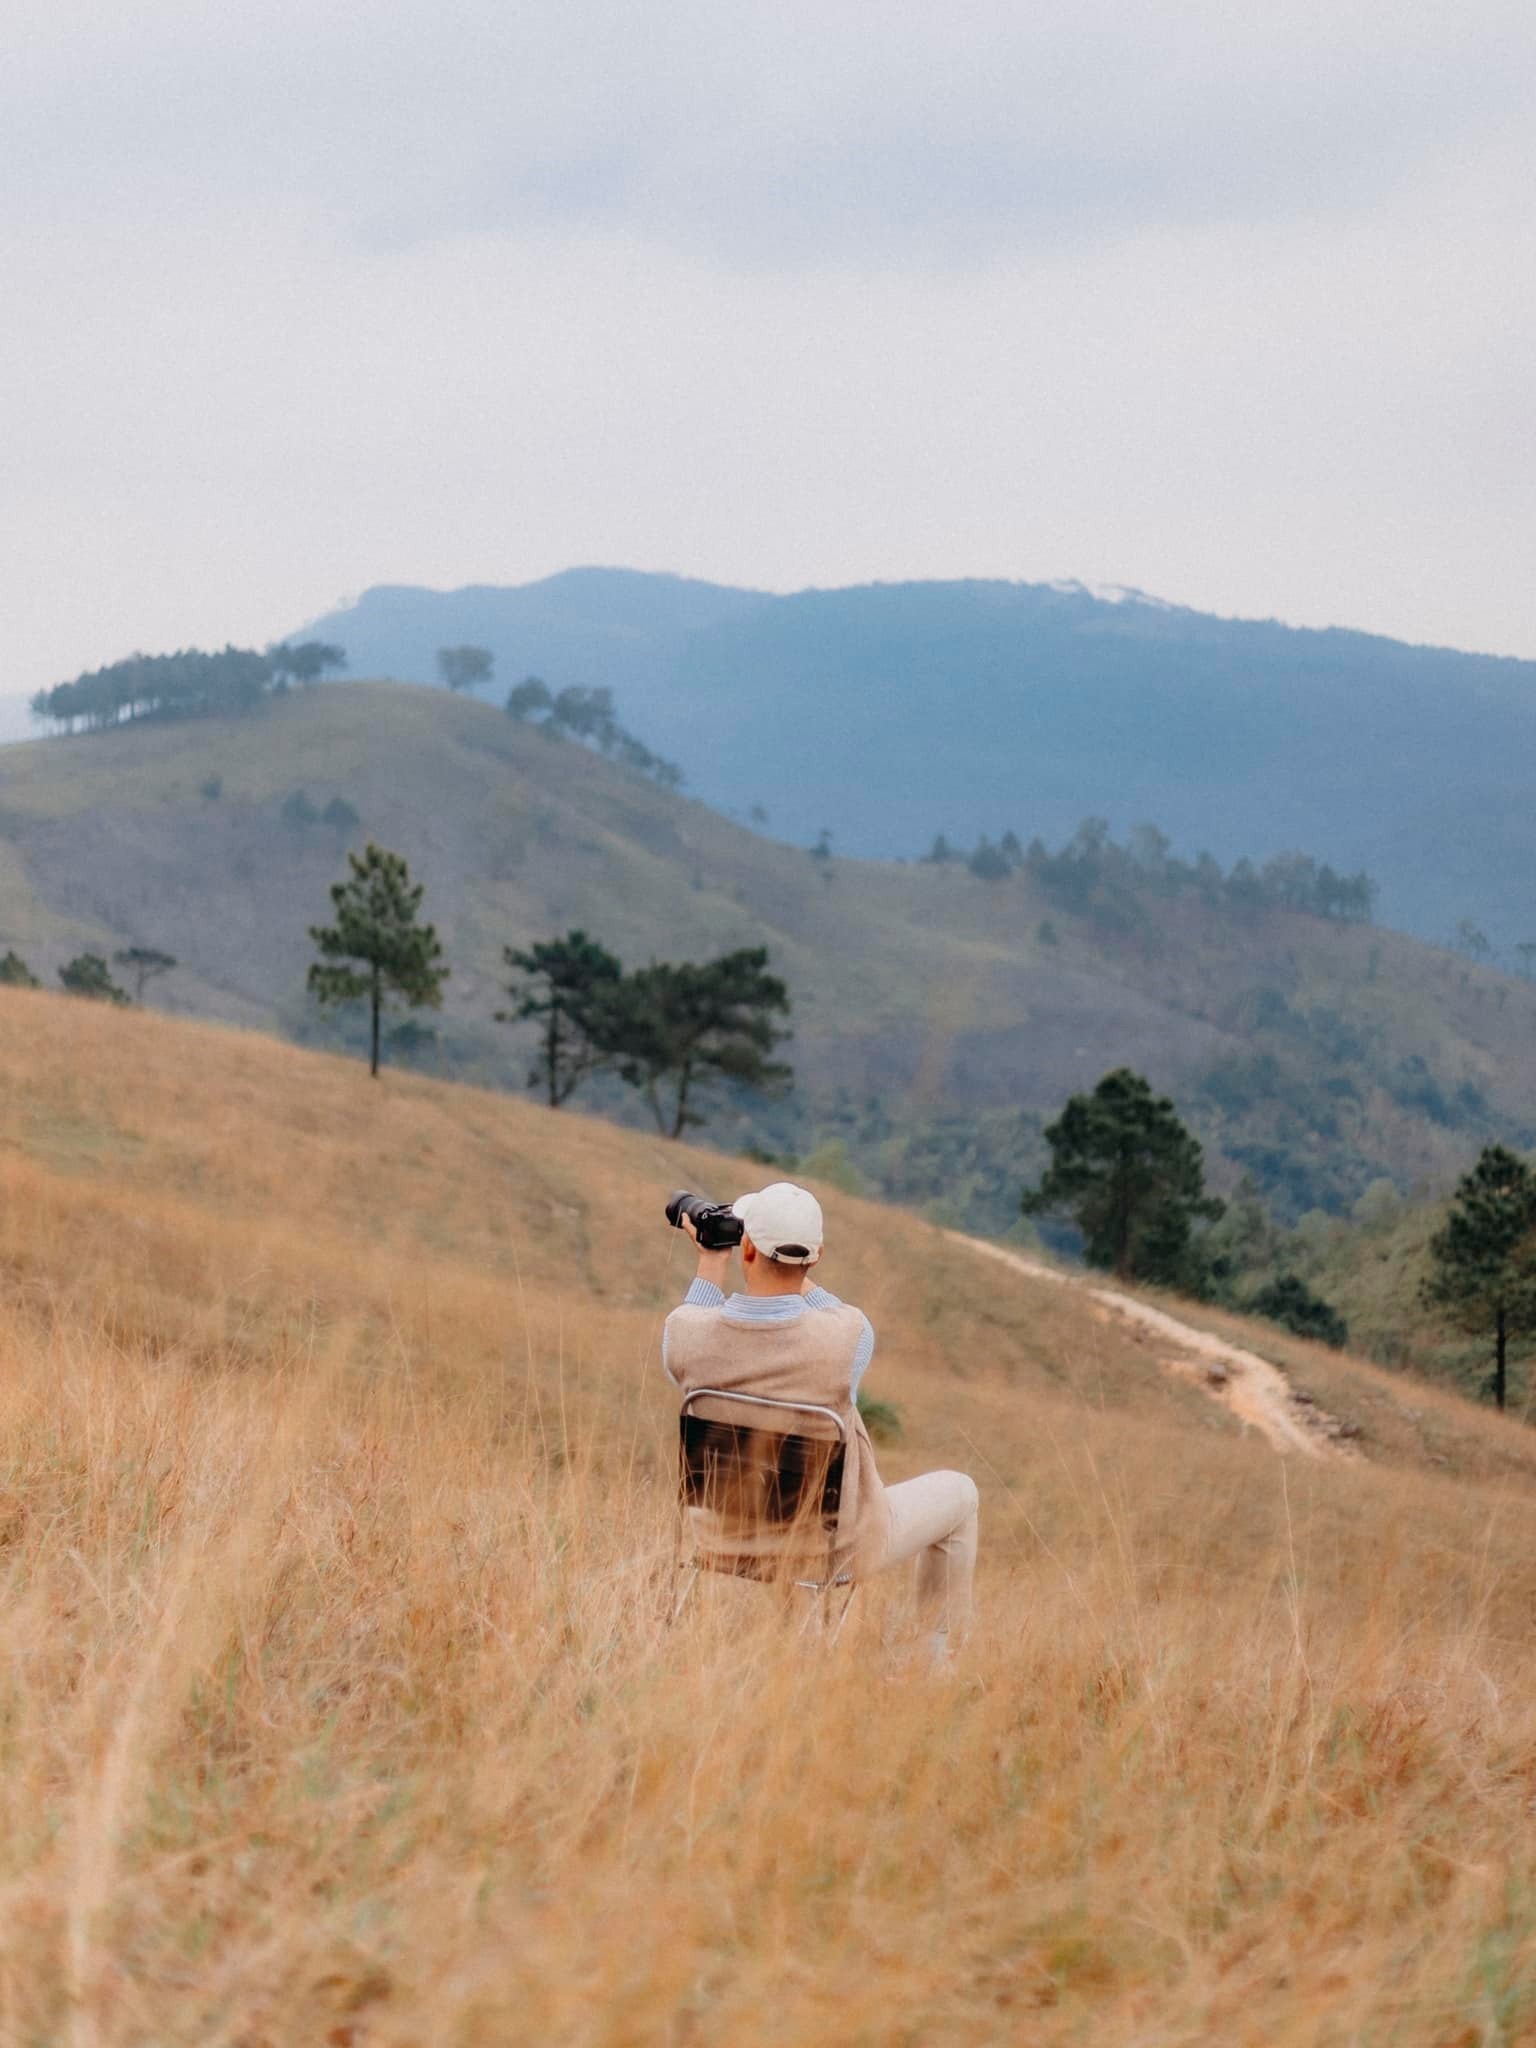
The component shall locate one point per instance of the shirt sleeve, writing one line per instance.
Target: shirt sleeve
(821, 1297)
(701, 1294)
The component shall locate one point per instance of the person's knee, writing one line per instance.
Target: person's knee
(966, 1496)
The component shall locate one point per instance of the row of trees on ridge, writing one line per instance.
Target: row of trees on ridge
(193, 683)
(1091, 864)
(589, 716)
(573, 712)
(89, 975)
(183, 685)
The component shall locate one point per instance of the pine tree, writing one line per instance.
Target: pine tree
(1483, 1261)
(15, 973)
(530, 695)
(675, 1026)
(340, 816)
(377, 926)
(144, 963)
(88, 975)
(1289, 1301)
(565, 984)
(462, 667)
(307, 662)
(989, 862)
(1132, 1179)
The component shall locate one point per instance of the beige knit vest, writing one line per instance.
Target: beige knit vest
(808, 1359)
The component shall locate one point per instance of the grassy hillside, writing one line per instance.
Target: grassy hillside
(982, 706)
(938, 1017)
(335, 1468)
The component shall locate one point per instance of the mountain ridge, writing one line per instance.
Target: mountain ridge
(890, 712)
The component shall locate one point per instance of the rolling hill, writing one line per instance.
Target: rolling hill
(890, 712)
(938, 1017)
(336, 1533)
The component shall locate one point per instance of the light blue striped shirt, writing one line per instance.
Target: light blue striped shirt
(774, 1308)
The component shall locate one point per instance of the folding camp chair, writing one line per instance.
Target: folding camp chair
(778, 1475)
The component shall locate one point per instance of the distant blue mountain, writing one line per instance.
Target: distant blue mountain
(890, 712)
(616, 626)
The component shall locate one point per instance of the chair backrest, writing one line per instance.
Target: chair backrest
(761, 1466)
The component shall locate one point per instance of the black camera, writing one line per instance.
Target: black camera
(718, 1228)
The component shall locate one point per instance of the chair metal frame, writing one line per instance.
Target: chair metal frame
(700, 1560)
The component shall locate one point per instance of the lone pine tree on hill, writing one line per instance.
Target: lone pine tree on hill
(307, 662)
(462, 667)
(1483, 1261)
(377, 926)
(143, 963)
(1132, 1179)
(567, 985)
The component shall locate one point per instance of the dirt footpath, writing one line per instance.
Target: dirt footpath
(1257, 1392)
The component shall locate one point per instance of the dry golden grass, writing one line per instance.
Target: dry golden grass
(336, 1704)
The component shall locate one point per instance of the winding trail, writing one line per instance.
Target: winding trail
(1258, 1393)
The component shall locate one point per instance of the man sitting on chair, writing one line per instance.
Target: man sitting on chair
(787, 1340)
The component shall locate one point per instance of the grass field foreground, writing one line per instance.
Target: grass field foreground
(336, 1702)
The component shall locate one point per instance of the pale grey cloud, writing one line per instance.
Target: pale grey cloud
(1224, 303)
(779, 132)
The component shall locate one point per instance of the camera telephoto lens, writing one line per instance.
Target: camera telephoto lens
(717, 1226)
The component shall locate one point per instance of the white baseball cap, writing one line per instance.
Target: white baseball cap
(783, 1221)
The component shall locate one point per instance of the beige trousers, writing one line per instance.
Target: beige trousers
(934, 1520)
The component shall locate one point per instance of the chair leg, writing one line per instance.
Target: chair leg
(842, 1614)
(819, 1613)
(680, 1597)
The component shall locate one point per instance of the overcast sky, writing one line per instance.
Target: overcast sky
(1234, 304)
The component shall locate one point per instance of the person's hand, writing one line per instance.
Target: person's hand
(713, 1266)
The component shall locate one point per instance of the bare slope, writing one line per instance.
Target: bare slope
(1315, 1055)
(334, 1479)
